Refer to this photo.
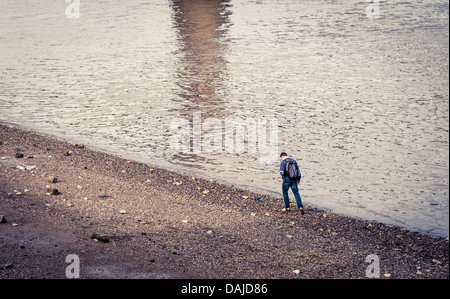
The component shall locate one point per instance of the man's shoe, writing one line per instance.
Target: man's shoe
(302, 212)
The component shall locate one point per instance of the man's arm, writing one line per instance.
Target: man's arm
(282, 167)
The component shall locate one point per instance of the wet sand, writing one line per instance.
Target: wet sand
(161, 224)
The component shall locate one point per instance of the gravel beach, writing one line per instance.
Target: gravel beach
(125, 219)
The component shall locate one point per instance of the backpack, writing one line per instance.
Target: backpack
(291, 169)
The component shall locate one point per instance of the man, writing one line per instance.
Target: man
(290, 172)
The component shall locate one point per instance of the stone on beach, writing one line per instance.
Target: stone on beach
(5, 266)
(52, 179)
(52, 191)
(68, 153)
(3, 219)
(100, 237)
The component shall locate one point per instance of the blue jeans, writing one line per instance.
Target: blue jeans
(294, 186)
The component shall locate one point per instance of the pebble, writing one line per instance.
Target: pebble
(436, 261)
(5, 266)
(15, 225)
(387, 275)
(69, 204)
(52, 191)
(289, 236)
(68, 153)
(296, 271)
(2, 219)
(122, 211)
(52, 179)
(100, 237)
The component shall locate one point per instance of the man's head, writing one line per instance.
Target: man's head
(283, 156)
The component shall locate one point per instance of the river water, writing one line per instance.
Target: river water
(359, 97)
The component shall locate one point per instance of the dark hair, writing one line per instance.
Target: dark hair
(283, 154)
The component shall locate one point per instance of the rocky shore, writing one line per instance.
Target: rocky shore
(125, 219)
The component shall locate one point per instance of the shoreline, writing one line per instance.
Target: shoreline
(163, 224)
(389, 221)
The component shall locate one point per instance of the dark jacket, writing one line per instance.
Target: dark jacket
(283, 168)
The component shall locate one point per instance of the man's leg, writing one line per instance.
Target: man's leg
(285, 187)
(297, 194)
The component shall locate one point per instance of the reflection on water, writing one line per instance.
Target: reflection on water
(201, 25)
(201, 69)
(361, 103)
